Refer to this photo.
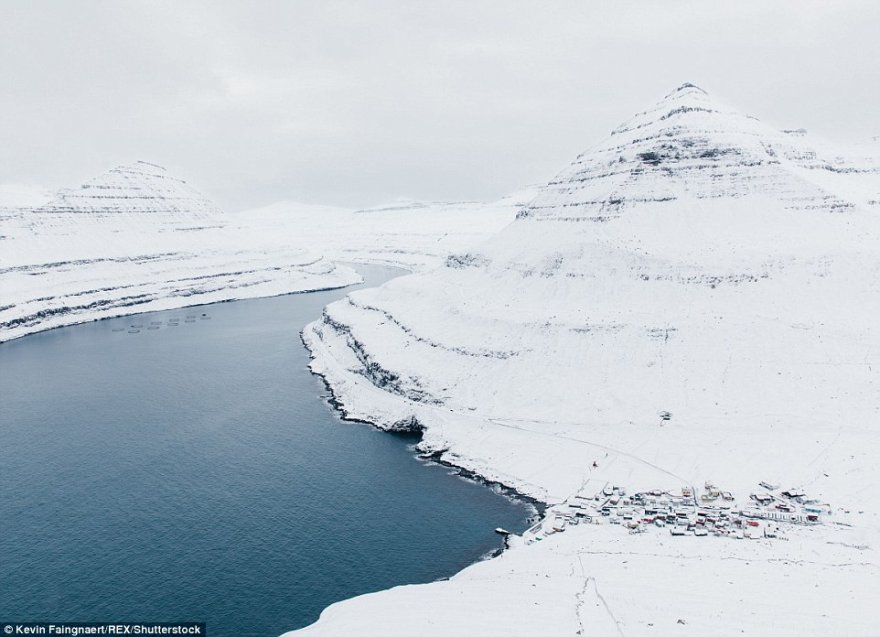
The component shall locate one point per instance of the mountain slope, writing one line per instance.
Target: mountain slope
(140, 188)
(692, 299)
(136, 239)
(409, 234)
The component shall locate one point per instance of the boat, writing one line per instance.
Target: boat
(501, 531)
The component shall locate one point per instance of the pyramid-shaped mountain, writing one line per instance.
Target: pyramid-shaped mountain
(691, 146)
(696, 263)
(134, 189)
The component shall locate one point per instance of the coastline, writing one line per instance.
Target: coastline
(165, 303)
(719, 583)
(356, 399)
(434, 456)
(421, 448)
(267, 434)
(537, 506)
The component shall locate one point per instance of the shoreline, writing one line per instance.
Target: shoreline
(353, 265)
(438, 535)
(557, 579)
(417, 431)
(96, 319)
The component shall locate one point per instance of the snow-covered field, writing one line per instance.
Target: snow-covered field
(409, 234)
(595, 580)
(136, 239)
(694, 299)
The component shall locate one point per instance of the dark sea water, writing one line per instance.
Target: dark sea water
(196, 473)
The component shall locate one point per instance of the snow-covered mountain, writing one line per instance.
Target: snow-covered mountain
(137, 189)
(692, 299)
(688, 146)
(137, 239)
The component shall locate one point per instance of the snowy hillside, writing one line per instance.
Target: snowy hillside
(17, 196)
(410, 234)
(139, 189)
(136, 239)
(691, 301)
(15, 200)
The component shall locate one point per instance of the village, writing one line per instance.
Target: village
(687, 513)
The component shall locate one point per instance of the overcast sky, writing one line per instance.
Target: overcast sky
(358, 103)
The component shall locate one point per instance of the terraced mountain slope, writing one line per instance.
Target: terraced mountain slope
(136, 239)
(692, 299)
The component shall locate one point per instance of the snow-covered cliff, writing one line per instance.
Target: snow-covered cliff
(692, 299)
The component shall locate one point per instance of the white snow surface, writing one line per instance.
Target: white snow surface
(137, 239)
(696, 262)
(15, 196)
(595, 580)
(409, 234)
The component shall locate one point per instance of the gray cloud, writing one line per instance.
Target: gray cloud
(360, 102)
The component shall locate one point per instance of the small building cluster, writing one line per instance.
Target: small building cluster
(710, 512)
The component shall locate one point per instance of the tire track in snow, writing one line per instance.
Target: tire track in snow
(581, 597)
